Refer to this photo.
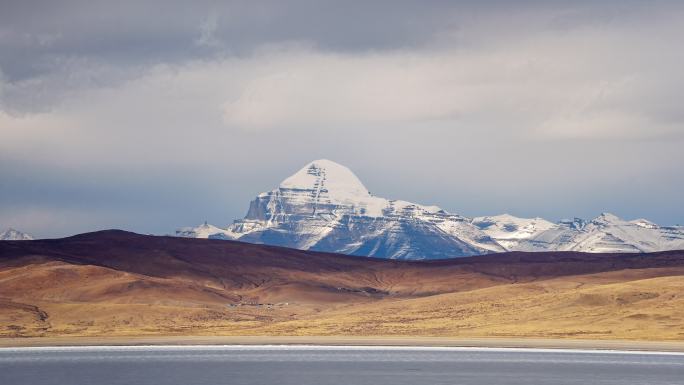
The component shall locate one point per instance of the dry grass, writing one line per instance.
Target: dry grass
(161, 289)
(648, 309)
(600, 306)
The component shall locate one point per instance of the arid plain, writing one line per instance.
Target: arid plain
(114, 283)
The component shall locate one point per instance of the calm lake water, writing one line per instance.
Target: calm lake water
(236, 365)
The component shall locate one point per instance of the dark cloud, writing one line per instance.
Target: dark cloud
(151, 115)
(131, 32)
(35, 34)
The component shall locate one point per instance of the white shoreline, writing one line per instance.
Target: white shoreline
(238, 347)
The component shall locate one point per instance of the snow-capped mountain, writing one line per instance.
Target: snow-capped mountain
(14, 235)
(325, 207)
(509, 231)
(204, 230)
(606, 233)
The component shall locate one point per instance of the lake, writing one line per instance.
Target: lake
(302, 365)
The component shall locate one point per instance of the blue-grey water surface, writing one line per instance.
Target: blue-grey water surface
(262, 365)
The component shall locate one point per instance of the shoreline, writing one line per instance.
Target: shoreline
(376, 341)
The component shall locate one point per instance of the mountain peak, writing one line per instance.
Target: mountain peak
(607, 218)
(645, 223)
(325, 207)
(14, 235)
(326, 176)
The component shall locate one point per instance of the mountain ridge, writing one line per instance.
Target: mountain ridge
(325, 207)
(11, 234)
(116, 282)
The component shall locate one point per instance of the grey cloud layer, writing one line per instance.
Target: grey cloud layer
(158, 115)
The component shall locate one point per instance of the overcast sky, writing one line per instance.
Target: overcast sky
(150, 117)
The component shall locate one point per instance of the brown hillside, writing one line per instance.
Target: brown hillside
(120, 283)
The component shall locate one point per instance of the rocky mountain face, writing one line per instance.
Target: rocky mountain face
(325, 207)
(606, 233)
(510, 231)
(14, 235)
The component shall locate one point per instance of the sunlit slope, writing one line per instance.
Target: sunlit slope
(599, 306)
(118, 283)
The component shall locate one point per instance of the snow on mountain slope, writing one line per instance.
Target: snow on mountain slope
(204, 230)
(325, 207)
(329, 182)
(394, 237)
(641, 222)
(14, 235)
(508, 230)
(607, 233)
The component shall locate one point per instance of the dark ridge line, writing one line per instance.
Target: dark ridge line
(124, 237)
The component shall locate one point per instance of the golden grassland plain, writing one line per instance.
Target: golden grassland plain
(279, 295)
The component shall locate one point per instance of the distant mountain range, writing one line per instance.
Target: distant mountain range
(325, 207)
(14, 235)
